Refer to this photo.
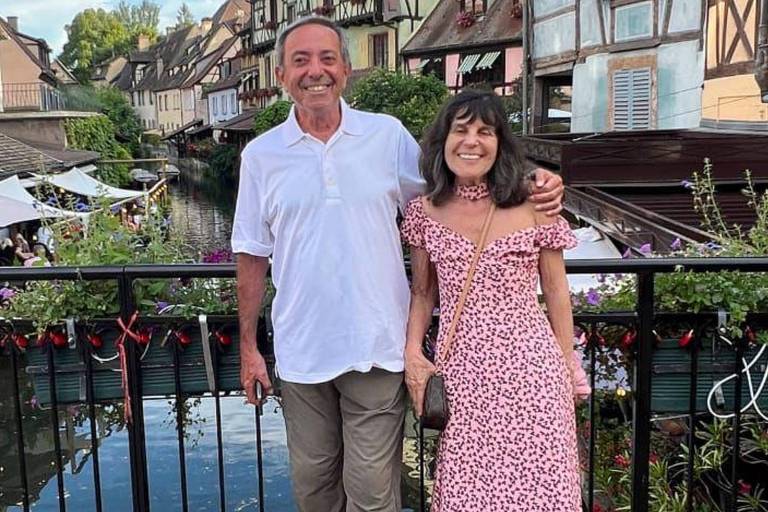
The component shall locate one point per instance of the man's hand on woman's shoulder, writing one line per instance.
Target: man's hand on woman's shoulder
(547, 191)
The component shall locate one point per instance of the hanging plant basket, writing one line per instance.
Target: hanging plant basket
(465, 19)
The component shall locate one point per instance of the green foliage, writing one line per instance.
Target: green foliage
(116, 107)
(93, 36)
(223, 161)
(413, 99)
(733, 292)
(271, 116)
(184, 17)
(97, 133)
(140, 19)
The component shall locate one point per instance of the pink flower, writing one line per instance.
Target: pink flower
(744, 487)
(621, 461)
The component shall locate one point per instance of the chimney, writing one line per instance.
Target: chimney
(13, 21)
(160, 67)
(206, 24)
(143, 43)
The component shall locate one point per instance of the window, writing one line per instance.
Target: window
(165, 97)
(290, 13)
(224, 105)
(215, 105)
(151, 99)
(435, 67)
(483, 70)
(632, 99)
(554, 114)
(379, 50)
(633, 21)
(133, 98)
(268, 71)
(233, 100)
(476, 7)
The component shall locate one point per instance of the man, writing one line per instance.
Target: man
(320, 194)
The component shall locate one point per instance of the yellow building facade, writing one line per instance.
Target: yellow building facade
(731, 96)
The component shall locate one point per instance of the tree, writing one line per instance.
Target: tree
(117, 108)
(93, 36)
(271, 116)
(413, 99)
(140, 19)
(184, 17)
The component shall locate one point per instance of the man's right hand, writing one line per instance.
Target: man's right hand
(253, 368)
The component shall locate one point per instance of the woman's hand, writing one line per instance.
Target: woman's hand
(418, 369)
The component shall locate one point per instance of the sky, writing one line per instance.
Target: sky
(47, 18)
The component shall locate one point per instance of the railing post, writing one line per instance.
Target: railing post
(136, 441)
(641, 428)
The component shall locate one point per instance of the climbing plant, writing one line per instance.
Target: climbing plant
(97, 133)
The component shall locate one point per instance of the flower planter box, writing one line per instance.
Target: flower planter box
(157, 373)
(671, 377)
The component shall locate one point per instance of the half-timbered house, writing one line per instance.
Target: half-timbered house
(618, 64)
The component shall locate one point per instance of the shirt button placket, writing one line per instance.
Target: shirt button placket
(332, 192)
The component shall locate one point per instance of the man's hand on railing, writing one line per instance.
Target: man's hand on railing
(253, 368)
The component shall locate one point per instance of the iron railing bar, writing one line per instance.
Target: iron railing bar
(49, 348)
(422, 464)
(692, 408)
(736, 441)
(606, 266)
(641, 419)
(219, 434)
(136, 437)
(89, 390)
(592, 433)
(259, 456)
(180, 404)
(19, 427)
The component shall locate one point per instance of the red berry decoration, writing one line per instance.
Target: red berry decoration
(183, 338)
(59, 339)
(20, 341)
(685, 339)
(224, 338)
(143, 337)
(628, 339)
(94, 339)
(750, 335)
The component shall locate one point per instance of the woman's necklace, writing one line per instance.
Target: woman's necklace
(472, 192)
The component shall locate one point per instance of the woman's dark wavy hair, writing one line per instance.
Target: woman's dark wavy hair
(506, 178)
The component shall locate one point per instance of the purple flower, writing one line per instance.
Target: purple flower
(593, 298)
(676, 245)
(601, 278)
(686, 184)
(160, 306)
(645, 249)
(627, 254)
(34, 402)
(7, 293)
(218, 256)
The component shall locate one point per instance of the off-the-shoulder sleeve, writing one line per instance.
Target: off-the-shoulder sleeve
(556, 236)
(412, 228)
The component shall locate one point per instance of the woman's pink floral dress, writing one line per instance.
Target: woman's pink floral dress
(510, 442)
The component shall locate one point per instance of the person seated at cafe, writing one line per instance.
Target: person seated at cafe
(22, 250)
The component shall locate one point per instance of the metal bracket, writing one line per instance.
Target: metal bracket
(207, 356)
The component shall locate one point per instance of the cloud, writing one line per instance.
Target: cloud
(46, 19)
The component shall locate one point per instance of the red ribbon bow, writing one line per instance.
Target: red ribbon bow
(120, 344)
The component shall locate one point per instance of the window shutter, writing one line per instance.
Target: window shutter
(632, 99)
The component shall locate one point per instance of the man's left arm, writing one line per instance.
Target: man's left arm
(547, 191)
(409, 181)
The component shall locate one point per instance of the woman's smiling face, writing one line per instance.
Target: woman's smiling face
(470, 149)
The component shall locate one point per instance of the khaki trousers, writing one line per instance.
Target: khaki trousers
(345, 442)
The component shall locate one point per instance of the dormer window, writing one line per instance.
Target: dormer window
(476, 7)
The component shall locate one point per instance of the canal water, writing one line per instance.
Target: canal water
(202, 214)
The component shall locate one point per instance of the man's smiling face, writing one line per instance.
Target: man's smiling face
(313, 72)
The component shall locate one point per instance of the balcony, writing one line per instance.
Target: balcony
(664, 395)
(41, 97)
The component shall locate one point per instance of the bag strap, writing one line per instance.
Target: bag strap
(467, 284)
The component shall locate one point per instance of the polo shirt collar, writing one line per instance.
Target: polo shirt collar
(350, 124)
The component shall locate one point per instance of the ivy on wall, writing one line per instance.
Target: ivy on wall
(97, 133)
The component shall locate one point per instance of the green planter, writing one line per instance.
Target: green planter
(671, 377)
(157, 369)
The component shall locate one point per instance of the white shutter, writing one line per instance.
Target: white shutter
(632, 99)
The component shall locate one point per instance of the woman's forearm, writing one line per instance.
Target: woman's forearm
(557, 297)
(423, 298)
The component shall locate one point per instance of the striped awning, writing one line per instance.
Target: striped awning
(487, 60)
(468, 64)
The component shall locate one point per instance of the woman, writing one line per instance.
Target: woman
(510, 441)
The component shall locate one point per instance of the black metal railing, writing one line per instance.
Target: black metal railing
(644, 320)
(37, 96)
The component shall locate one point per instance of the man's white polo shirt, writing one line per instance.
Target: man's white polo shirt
(326, 214)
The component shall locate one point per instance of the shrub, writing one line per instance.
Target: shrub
(413, 99)
(271, 116)
(97, 133)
